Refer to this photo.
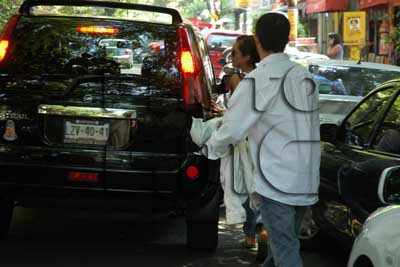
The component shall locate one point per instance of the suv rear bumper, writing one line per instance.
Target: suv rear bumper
(33, 182)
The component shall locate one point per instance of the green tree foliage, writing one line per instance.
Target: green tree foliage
(7, 9)
(195, 8)
(302, 28)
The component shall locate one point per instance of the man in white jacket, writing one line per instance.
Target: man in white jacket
(276, 107)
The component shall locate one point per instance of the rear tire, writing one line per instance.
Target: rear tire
(202, 224)
(202, 236)
(6, 212)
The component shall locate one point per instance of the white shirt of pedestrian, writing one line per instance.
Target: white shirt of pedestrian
(282, 125)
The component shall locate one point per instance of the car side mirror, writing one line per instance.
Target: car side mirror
(389, 185)
(328, 132)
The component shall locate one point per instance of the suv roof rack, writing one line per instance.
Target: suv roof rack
(28, 4)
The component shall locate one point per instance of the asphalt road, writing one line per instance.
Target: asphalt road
(59, 238)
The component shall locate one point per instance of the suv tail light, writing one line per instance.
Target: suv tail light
(189, 67)
(192, 173)
(5, 37)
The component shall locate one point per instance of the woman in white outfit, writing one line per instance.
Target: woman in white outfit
(244, 59)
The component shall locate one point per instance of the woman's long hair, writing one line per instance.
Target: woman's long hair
(335, 37)
(247, 46)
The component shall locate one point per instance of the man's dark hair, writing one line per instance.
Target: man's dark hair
(272, 29)
(247, 47)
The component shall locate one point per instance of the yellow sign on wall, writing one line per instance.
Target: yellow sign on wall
(293, 17)
(354, 28)
(243, 3)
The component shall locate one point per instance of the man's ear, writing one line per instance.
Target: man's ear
(258, 44)
(256, 40)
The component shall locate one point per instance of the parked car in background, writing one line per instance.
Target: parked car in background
(218, 41)
(77, 132)
(378, 244)
(354, 154)
(345, 77)
(343, 83)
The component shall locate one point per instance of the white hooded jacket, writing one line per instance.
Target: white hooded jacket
(236, 169)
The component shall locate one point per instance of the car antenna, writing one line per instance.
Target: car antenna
(359, 61)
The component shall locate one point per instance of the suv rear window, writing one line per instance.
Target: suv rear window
(45, 47)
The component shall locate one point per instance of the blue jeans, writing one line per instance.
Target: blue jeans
(282, 222)
(253, 218)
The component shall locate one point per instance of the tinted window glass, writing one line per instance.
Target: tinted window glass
(359, 126)
(388, 137)
(355, 81)
(44, 48)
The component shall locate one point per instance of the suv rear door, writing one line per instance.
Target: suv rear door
(153, 140)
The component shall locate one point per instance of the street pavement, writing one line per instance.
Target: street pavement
(58, 238)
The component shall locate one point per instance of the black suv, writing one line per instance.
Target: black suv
(87, 124)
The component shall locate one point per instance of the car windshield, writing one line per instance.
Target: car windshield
(220, 41)
(345, 80)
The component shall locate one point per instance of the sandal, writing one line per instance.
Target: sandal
(262, 243)
(249, 243)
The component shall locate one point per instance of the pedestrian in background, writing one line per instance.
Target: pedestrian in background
(277, 109)
(335, 46)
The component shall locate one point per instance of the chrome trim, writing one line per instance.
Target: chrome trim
(88, 188)
(79, 168)
(87, 111)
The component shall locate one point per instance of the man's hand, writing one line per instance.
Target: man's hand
(216, 110)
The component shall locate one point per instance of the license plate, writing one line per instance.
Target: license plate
(86, 132)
